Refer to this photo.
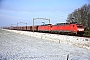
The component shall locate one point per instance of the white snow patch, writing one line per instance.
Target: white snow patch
(72, 40)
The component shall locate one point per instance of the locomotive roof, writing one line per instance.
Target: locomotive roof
(66, 23)
(46, 24)
(62, 23)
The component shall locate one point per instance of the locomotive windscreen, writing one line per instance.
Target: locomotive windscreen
(79, 26)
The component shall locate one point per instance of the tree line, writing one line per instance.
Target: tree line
(81, 16)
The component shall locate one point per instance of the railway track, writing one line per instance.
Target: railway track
(67, 34)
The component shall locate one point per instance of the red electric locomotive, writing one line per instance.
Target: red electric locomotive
(68, 28)
(45, 28)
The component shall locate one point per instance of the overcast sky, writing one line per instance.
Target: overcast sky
(14, 11)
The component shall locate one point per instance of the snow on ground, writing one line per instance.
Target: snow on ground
(82, 42)
(15, 46)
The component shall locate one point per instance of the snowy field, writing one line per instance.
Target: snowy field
(14, 46)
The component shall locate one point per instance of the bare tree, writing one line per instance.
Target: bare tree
(81, 16)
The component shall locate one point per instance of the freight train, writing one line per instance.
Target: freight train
(63, 28)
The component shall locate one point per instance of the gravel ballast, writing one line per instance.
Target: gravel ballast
(14, 46)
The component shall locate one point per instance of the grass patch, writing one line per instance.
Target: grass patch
(87, 33)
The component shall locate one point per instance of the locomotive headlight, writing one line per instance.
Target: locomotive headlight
(80, 29)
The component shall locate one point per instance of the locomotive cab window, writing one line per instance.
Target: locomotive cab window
(51, 26)
(80, 26)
